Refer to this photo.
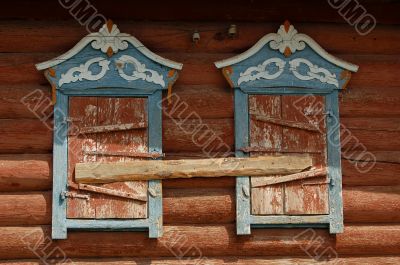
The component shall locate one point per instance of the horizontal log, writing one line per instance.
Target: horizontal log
(352, 139)
(375, 70)
(188, 168)
(377, 156)
(33, 173)
(60, 36)
(199, 206)
(207, 101)
(210, 240)
(25, 101)
(371, 204)
(378, 173)
(370, 101)
(230, 260)
(28, 208)
(25, 136)
(226, 10)
(360, 201)
(25, 172)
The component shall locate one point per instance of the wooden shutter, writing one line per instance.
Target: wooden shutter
(92, 140)
(289, 124)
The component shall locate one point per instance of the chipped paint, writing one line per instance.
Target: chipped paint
(292, 197)
(91, 112)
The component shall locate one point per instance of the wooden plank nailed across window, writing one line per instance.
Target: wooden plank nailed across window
(286, 123)
(134, 195)
(110, 128)
(313, 173)
(126, 154)
(214, 167)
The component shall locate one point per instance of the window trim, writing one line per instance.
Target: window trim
(61, 224)
(244, 219)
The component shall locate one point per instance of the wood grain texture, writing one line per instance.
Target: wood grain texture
(226, 11)
(356, 240)
(187, 136)
(372, 93)
(199, 68)
(230, 260)
(32, 172)
(108, 172)
(100, 112)
(15, 139)
(207, 100)
(25, 172)
(371, 204)
(285, 128)
(60, 36)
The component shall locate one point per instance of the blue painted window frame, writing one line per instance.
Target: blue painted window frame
(244, 219)
(61, 224)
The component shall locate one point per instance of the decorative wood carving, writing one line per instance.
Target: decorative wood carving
(287, 37)
(261, 71)
(139, 71)
(314, 72)
(287, 40)
(108, 87)
(286, 101)
(112, 39)
(82, 71)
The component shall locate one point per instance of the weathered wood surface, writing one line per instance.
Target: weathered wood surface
(14, 136)
(278, 124)
(208, 101)
(25, 172)
(230, 260)
(110, 128)
(375, 70)
(265, 181)
(187, 168)
(177, 136)
(94, 112)
(373, 204)
(372, 96)
(60, 36)
(356, 240)
(311, 11)
(132, 194)
(32, 172)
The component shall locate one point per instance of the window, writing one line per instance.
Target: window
(106, 92)
(286, 103)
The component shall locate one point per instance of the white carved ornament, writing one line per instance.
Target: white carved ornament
(287, 40)
(109, 37)
(82, 71)
(314, 71)
(261, 71)
(140, 71)
(109, 40)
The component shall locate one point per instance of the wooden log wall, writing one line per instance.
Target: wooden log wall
(199, 214)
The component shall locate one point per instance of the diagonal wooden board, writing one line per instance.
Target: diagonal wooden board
(107, 172)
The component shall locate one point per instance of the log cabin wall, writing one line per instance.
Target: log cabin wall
(199, 214)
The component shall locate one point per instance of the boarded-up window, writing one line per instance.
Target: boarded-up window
(106, 130)
(288, 125)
